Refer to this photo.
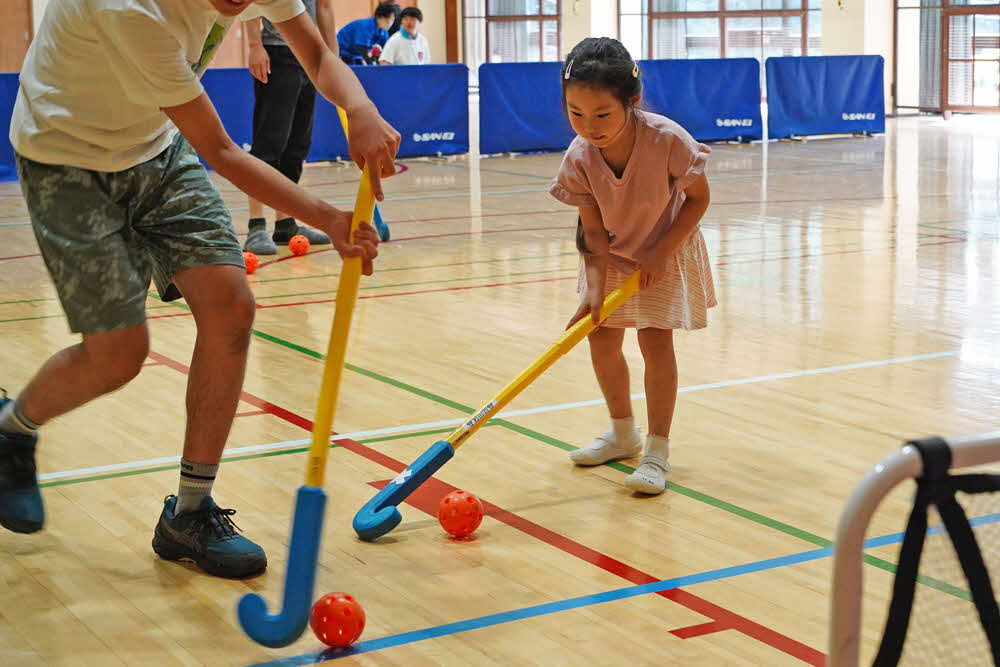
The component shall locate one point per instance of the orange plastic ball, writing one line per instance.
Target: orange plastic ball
(251, 261)
(337, 619)
(298, 244)
(460, 513)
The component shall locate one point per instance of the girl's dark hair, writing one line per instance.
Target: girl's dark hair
(603, 63)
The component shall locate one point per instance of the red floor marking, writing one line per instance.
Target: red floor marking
(288, 257)
(431, 492)
(426, 291)
(427, 497)
(488, 215)
(382, 296)
(544, 280)
(483, 233)
(253, 413)
(700, 630)
(4, 259)
(414, 238)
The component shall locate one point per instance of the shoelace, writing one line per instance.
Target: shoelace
(217, 521)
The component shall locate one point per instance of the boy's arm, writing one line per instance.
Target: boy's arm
(200, 124)
(372, 141)
(260, 62)
(326, 24)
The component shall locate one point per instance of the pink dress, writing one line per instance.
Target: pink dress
(637, 209)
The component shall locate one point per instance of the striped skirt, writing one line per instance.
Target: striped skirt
(680, 300)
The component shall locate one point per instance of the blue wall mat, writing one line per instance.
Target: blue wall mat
(825, 95)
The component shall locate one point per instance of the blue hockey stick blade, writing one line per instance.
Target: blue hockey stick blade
(379, 515)
(285, 627)
(383, 229)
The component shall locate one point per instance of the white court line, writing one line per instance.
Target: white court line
(506, 414)
(734, 383)
(234, 451)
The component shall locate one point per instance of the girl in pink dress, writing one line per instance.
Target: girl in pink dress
(639, 182)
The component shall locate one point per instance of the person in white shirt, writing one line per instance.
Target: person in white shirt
(109, 114)
(408, 46)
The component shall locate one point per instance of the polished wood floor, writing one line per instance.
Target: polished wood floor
(858, 282)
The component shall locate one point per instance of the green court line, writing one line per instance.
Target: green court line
(677, 488)
(49, 317)
(5, 303)
(244, 457)
(718, 503)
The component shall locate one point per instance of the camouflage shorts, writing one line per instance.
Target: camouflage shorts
(104, 235)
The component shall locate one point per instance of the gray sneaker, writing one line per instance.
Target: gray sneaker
(315, 236)
(260, 243)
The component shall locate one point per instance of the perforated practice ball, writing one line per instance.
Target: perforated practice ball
(298, 244)
(251, 260)
(337, 620)
(460, 513)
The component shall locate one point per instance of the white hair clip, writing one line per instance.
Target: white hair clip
(635, 71)
(569, 69)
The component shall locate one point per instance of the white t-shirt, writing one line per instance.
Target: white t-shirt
(98, 72)
(402, 51)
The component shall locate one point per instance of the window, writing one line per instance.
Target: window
(721, 28)
(973, 59)
(947, 55)
(510, 31)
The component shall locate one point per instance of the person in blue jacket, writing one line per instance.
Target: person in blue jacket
(359, 38)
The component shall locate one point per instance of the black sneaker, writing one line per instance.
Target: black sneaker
(285, 229)
(21, 508)
(207, 537)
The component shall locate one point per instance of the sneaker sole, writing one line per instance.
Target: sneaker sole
(264, 252)
(23, 527)
(174, 553)
(620, 457)
(642, 487)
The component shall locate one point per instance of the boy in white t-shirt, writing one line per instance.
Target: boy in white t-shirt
(109, 107)
(408, 46)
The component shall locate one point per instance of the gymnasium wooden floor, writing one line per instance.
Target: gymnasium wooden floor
(858, 281)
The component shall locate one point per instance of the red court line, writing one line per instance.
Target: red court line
(288, 257)
(426, 236)
(700, 630)
(487, 215)
(546, 280)
(426, 291)
(252, 413)
(483, 233)
(382, 296)
(3, 259)
(426, 495)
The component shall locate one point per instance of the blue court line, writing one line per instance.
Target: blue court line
(586, 601)
(548, 608)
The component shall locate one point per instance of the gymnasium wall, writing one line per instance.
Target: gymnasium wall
(860, 27)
